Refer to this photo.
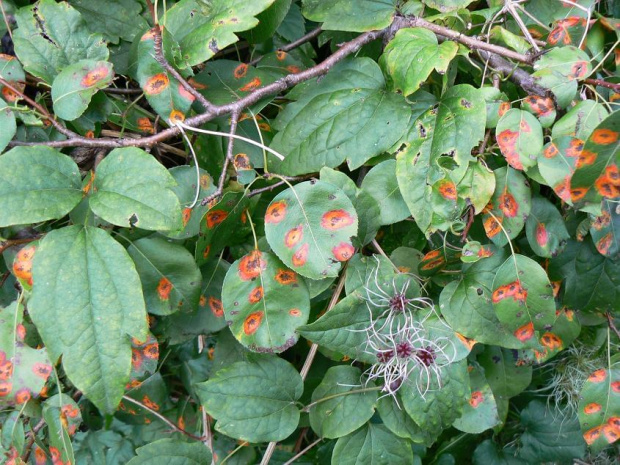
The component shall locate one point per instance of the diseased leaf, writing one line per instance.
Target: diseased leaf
(599, 408)
(8, 124)
(170, 278)
(523, 298)
(172, 452)
(425, 168)
(545, 228)
(310, 226)
(510, 206)
(412, 55)
(504, 375)
(132, 189)
(90, 309)
(264, 302)
(52, 35)
(254, 401)
(580, 120)
(76, 84)
(480, 413)
(23, 370)
(520, 138)
(372, 444)
(477, 185)
(63, 417)
(557, 164)
(37, 184)
(466, 302)
(344, 413)
(203, 29)
(350, 15)
(570, 62)
(605, 230)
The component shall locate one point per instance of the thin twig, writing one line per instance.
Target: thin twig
(306, 449)
(33, 434)
(293, 45)
(610, 321)
(12, 242)
(122, 91)
(518, 76)
(161, 59)
(600, 82)
(164, 419)
(206, 434)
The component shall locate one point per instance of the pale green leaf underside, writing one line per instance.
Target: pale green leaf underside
(350, 15)
(86, 304)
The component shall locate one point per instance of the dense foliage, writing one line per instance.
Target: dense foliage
(316, 231)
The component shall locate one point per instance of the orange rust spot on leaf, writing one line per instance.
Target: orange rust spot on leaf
(525, 332)
(551, 151)
(592, 435)
(156, 84)
(251, 265)
(215, 217)
(256, 295)
(184, 93)
(22, 396)
(301, 255)
(42, 370)
(542, 237)
(551, 341)
(280, 55)
(447, 189)
(294, 312)
(574, 148)
(591, 408)
(186, 215)
(507, 141)
(508, 205)
(216, 307)
(503, 108)
(276, 212)
(286, 277)
(22, 265)
(604, 244)
(242, 162)
(145, 125)
(253, 84)
(476, 399)
(343, 251)
(598, 376)
(578, 193)
(240, 71)
(492, 226)
(336, 219)
(578, 70)
(294, 236)
(164, 288)
(96, 75)
(586, 157)
(252, 322)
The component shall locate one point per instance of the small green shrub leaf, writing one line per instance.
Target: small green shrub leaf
(172, 452)
(350, 15)
(372, 444)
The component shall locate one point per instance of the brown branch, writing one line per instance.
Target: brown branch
(161, 59)
(306, 449)
(123, 91)
(59, 127)
(149, 4)
(520, 77)
(600, 82)
(163, 418)
(12, 242)
(33, 434)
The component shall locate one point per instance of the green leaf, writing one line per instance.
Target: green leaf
(545, 228)
(76, 84)
(113, 19)
(466, 302)
(520, 138)
(23, 370)
(487, 452)
(11, 71)
(412, 55)
(37, 184)
(570, 62)
(350, 15)
(590, 281)
(504, 375)
(269, 21)
(382, 185)
(541, 107)
(309, 226)
(172, 452)
(596, 172)
(447, 5)
(549, 436)
(447, 133)
(8, 124)
(477, 185)
(514, 41)
(264, 302)
(372, 445)
(564, 90)
(599, 408)
(480, 414)
(349, 124)
(52, 36)
(344, 413)
(510, 206)
(132, 189)
(254, 401)
(447, 395)
(341, 329)
(89, 311)
(203, 29)
(165, 93)
(169, 275)
(398, 421)
(523, 298)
